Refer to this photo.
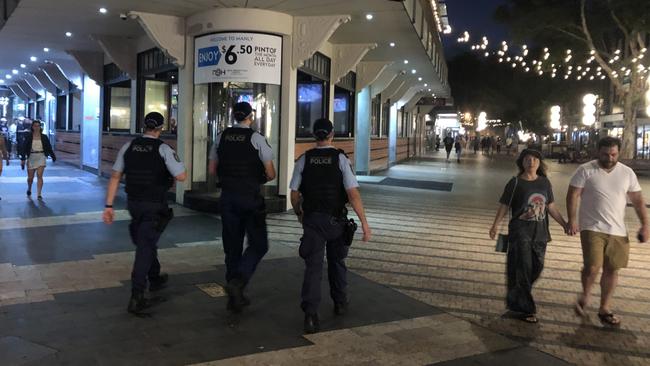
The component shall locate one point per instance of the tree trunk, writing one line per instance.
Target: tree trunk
(629, 128)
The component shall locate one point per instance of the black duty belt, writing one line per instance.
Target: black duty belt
(37, 152)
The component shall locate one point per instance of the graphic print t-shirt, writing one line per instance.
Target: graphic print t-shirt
(529, 208)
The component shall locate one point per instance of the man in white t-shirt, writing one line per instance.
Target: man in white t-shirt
(603, 186)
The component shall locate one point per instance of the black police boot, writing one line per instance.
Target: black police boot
(341, 308)
(236, 299)
(138, 303)
(312, 324)
(158, 283)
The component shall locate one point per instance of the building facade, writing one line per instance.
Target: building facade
(364, 65)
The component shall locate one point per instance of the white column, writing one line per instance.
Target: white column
(362, 131)
(185, 120)
(288, 120)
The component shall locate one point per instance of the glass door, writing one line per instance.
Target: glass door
(213, 113)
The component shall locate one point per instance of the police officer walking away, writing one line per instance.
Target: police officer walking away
(323, 178)
(243, 161)
(150, 166)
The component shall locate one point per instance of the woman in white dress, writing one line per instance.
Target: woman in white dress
(35, 150)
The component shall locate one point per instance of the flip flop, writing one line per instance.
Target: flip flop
(609, 319)
(579, 309)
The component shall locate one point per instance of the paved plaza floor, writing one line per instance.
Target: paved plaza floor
(428, 289)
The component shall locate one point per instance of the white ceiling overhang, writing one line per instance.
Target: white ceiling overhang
(26, 34)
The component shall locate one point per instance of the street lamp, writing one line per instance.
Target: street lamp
(589, 110)
(4, 102)
(482, 121)
(647, 100)
(555, 117)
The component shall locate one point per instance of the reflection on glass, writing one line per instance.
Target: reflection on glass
(120, 111)
(157, 99)
(342, 113)
(310, 106)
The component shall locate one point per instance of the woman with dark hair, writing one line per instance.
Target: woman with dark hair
(529, 196)
(35, 149)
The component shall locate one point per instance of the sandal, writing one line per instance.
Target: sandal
(579, 308)
(40, 198)
(29, 193)
(609, 319)
(530, 318)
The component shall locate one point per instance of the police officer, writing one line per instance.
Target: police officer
(323, 180)
(150, 166)
(243, 161)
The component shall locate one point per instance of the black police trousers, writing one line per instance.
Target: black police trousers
(243, 214)
(322, 231)
(144, 233)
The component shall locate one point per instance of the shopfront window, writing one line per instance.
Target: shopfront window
(375, 116)
(313, 93)
(385, 119)
(312, 103)
(311, 106)
(158, 81)
(61, 113)
(343, 112)
(117, 99)
(119, 108)
(157, 98)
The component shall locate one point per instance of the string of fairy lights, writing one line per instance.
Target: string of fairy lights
(571, 68)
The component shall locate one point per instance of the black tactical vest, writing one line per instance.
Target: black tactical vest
(322, 182)
(240, 168)
(147, 177)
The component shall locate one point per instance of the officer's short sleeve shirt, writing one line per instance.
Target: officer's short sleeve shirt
(172, 162)
(118, 166)
(258, 141)
(349, 179)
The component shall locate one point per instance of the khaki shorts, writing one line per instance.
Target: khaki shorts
(600, 248)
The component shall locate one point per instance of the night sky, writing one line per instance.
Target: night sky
(476, 17)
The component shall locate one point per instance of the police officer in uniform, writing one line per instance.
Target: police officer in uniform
(150, 167)
(322, 184)
(243, 161)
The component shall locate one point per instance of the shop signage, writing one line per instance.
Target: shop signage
(238, 57)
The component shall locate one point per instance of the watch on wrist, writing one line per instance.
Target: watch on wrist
(108, 206)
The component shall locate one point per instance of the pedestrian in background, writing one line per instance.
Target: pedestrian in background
(35, 149)
(602, 188)
(3, 153)
(448, 141)
(529, 197)
(460, 146)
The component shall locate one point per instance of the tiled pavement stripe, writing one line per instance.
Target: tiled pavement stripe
(496, 279)
(10, 223)
(415, 341)
(34, 283)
